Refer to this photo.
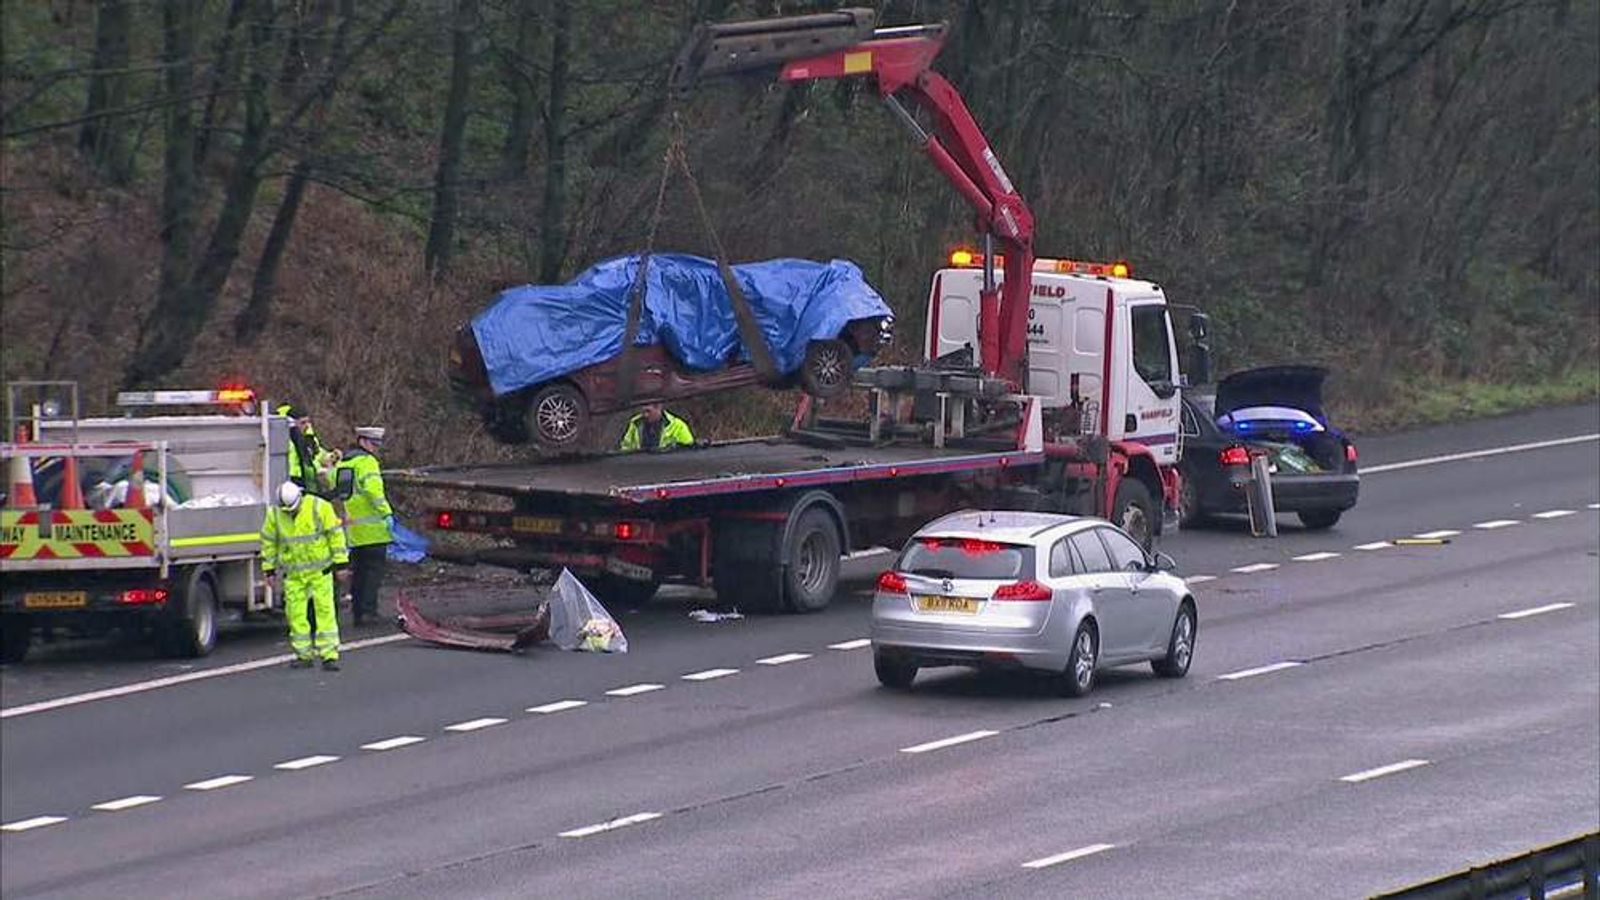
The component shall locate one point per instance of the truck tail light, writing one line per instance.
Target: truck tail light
(140, 596)
(1022, 590)
(1349, 452)
(445, 520)
(625, 531)
(892, 583)
(1234, 456)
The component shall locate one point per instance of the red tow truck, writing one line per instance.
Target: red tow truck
(1047, 384)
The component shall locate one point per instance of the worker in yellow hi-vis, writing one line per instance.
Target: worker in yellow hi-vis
(302, 543)
(656, 429)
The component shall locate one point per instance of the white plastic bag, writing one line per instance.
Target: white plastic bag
(579, 622)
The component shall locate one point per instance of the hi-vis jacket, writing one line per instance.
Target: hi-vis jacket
(309, 540)
(367, 511)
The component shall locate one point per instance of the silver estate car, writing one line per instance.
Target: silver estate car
(1068, 595)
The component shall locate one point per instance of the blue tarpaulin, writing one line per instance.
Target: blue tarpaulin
(533, 333)
(406, 545)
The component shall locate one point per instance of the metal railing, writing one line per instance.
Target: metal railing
(1569, 869)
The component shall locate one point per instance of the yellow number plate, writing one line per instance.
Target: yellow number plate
(55, 599)
(933, 603)
(536, 525)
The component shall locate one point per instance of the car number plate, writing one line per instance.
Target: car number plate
(536, 525)
(55, 599)
(936, 603)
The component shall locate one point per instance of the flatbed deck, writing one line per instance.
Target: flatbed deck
(728, 468)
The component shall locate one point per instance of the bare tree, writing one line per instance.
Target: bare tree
(104, 136)
(553, 231)
(520, 82)
(446, 183)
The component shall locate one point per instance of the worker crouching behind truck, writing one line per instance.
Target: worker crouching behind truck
(302, 543)
(367, 520)
(656, 429)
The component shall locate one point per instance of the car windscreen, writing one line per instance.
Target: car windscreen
(965, 558)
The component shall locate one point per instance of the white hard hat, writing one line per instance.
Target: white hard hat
(289, 495)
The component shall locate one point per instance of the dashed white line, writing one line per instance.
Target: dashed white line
(558, 706)
(221, 781)
(1492, 524)
(1555, 513)
(782, 658)
(475, 724)
(1477, 454)
(949, 741)
(1200, 579)
(709, 674)
(856, 644)
(1435, 535)
(1594, 506)
(404, 740)
(30, 824)
(1375, 545)
(612, 825)
(1254, 567)
(633, 689)
(125, 803)
(1316, 557)
(1537, 610)
(305, 762)
(1068, 856)
(1259, 670)
(1381, 771)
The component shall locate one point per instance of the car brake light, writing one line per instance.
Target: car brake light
(144, 595)
(1234, 456)
(1022, 590)
(1349, 452)
(445, 520)
(892, 583)
(624, 531)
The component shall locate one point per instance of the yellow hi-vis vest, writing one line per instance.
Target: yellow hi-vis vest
(309, 539)
(367, 512)
(674, 433)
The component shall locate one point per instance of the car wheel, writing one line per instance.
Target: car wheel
(14, 635)
(1135, 512)
(1190, 513)
(813, 571)
(1320, 519)
(1180, 647)
(1078, 679)
(191, 628)
(558, 416)
(893, 673)
(826, 370)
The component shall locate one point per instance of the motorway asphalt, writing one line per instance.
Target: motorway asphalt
(789, 776)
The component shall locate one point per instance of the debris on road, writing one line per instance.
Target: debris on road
(571, 618)
(707, 615)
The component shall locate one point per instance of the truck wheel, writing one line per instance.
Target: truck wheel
(191, 630)
(1135, 512)
(826, 370)
(1320, 519)
(624, 592)
(813, 571)
(558, 416)
(14, 634)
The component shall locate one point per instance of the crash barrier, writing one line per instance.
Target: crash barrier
(1569, 869)
(1258, 497)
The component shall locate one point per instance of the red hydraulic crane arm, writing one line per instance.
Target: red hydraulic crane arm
(899, 62)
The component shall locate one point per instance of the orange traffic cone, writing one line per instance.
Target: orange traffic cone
(21, 495)
(135, 498)
(71, 491)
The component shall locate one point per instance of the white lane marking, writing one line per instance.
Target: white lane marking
(1492, 524)
(1477, 454)
(1381, 771)
(475, 724)
(1254, 567)
(949, 741)
(558, 706)
(221, 781)
(1594, 506)
(404, 740)
(856, 644)
(1555, 513)
(1200, 579)
(612, 825)
(30, 824)
(633, 689)
(125, 803)
(1259, 670)
(1375, 545)
(783, 658)
(1068, 856)
(1316, 557)
(305, 762)
(1435, 535)
(709, 674)
(185, 678)
(1524, 613)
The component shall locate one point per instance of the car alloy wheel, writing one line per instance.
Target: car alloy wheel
(1078, 679)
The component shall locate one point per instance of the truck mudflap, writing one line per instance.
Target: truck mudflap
(507, 633)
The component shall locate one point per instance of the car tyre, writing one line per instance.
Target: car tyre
(1078, 679)
(1134, 512)
(812, 575)
(1190, 513)
(895, 674)
(14, 636)
(558, 417)
(190, 630)
(827, 368)
(1320, 519)
(1180, 646)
